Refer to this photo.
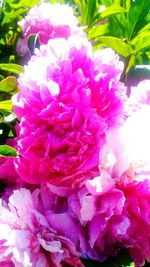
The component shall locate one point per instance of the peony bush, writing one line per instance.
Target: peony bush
(79, 185)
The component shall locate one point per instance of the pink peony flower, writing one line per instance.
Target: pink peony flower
(101, 184)
(117, 219)
(48, 21)
(96, 212)
(68, 98)
(137, 210)
(7, 169)
(27, 239)
(137, 132)
(139, 97)
(127, 147)
(114, 155)
(141, 93)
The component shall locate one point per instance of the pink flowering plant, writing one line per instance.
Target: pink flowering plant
(47, 21)
(69, 111)
(74, 150)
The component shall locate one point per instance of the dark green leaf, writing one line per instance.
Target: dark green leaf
(145, 28)
(91, 8)
(137, 16)
(117, 26)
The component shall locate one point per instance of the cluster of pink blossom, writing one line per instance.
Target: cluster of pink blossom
(82, 186)
(47, 21)
(69, 97)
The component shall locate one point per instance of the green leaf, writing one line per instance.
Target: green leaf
(137, 16)
(107, 2)
(25, 3)
(145, 28)
(131, 63)
(29, 3)
(1, 77)
(112, 10)
(118, 30)
(15, 13)
(88, 12)
(7, 151)
(6, 105)
(91, 8)
(117, 44)
(9, 85)
(98, 31)
(142, 41)
(10, 67)
(82, 7)
(117, 2)
(128, 4)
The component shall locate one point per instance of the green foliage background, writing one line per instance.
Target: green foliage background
(123, 25)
